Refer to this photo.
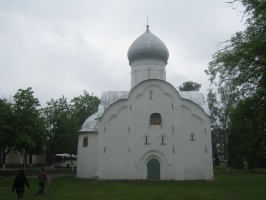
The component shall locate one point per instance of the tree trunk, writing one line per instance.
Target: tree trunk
(52, 159)
(30, 159)
(25, 159)
(71, 163)
(227, 156)
(4, 161)
(4, 157)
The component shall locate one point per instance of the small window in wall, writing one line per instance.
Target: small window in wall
(163, 140)
(155, 119)
(146, 140)
(85, 141)
(192, 136)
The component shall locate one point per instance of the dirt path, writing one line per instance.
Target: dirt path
(49, 181)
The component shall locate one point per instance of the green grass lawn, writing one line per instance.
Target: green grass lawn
(239, 184)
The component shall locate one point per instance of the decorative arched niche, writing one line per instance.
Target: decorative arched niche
(155, 119)
(153, 154)
(146, 137)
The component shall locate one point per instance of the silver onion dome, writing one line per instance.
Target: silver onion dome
(147, 46)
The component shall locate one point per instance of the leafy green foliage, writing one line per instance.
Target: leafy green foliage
(58, 125)
(190, 86)
(30, 127)
(246, 142)
(53, 128)
(8, 122)
(63, 120)
(219, 133)
(213, 105)
(240, 66)
(218, 144)
(242, 62)
(84, 106)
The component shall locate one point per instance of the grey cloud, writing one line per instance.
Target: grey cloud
(64, 47)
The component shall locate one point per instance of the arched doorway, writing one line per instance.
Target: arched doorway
(153, 169)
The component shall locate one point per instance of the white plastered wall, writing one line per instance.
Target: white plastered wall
(146, 69)
(87, 156)
(198, 152)
(122, 153)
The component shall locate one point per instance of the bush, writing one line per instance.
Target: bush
(238, 163)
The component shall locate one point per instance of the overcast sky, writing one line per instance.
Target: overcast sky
(63, 47)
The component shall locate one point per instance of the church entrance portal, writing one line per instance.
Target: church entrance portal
(153, 169)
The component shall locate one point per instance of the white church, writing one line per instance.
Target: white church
(152, 131)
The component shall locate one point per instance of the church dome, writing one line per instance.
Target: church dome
(147, 46)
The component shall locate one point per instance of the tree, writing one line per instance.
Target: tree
(245, 142)
(242, 61)
(240, 139)
(57, 115)
(213, 105)
(8, 122)
(64, 119)
(218, 140)
(30, 127)
(190, 86)
(240, 66)
(84, 106)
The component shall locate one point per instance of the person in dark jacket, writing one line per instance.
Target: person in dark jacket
(19, 184)
(42, 176)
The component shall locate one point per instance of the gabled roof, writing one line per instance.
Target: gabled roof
(198, 98)
(108, 98)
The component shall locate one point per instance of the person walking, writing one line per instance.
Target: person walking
(42, 176)
(19, 184)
